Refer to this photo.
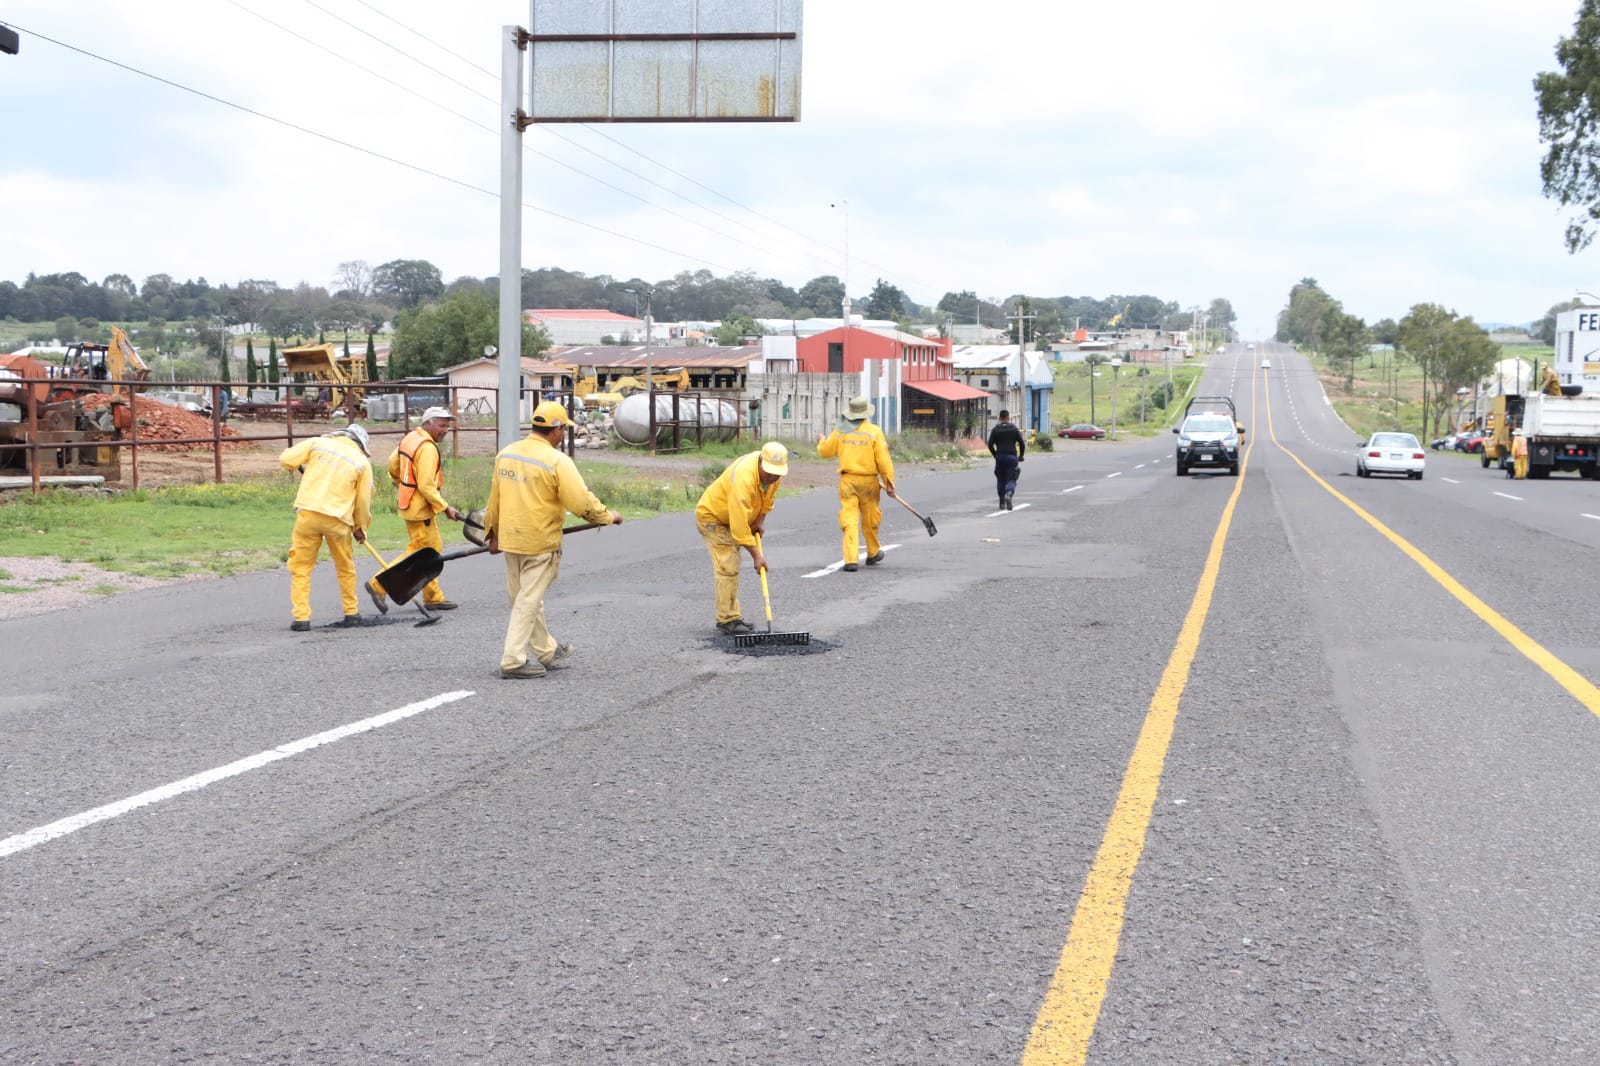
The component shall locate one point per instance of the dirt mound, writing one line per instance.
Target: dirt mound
(159, 421)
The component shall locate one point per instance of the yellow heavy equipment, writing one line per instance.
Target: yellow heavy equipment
(117, 361)
(343, 375)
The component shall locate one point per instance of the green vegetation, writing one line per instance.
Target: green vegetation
(233, 528)
(1159, 394)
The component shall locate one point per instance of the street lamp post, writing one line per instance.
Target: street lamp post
(1116, 365)
(647, 292)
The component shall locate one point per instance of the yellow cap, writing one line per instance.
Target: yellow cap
(550, 413)
(775, 458)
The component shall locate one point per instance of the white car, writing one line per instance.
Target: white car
(1266, 364)
(1391, 453)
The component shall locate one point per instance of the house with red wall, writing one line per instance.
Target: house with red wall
(930, 398)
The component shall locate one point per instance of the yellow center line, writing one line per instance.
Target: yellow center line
(1578, 686)
(1066, 1020)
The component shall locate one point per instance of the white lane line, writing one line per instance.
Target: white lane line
(1014, 510)
(1508, 496)
(1596, 517)
(860, 556)
(44, 833)
(1139, 467)
(1452, 480)
(1074, 488)
(1116, 474)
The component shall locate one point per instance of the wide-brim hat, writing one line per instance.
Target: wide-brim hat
(775, 458)
(859, 409)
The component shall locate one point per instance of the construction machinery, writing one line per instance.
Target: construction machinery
(344, 376)
(74, 439)
(117, 361)
(1562, 430)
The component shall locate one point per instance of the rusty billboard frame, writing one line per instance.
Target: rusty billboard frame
(601, 61)
(663, 61)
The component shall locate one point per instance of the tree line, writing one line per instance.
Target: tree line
(1451, 350)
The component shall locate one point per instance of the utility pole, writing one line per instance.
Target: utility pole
(1022, 321)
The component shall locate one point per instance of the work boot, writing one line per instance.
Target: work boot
(379, 600)
(875, 558)
(442, 605)
(851, 568)
(1009, 507)
(734, 627)
(300, 627)
(557, 657)
(352, 621)
(528, 669)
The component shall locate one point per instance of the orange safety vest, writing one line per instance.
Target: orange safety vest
(407, 478)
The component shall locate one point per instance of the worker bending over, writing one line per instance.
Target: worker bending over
(334, 504)
(731, 513)
(863, 453)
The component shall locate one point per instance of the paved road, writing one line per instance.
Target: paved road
(1149, 770)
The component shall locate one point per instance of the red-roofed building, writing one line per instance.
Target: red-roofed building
(586, 325)
(930, 398)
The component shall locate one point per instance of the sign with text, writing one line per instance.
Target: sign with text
(664, 61)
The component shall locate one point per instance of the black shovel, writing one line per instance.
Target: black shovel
(925, 521)
(410, 575)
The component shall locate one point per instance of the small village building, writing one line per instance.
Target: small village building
(582, 325)
(928, 397)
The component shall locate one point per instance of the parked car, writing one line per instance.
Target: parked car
(1083, 431)
(1445, 443)
(1471, 443)
(1391, 453)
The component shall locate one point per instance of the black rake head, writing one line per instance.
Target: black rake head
(752, 640)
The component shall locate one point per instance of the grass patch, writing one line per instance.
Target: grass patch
(105, 588)
(1158, 396)
(12, 590)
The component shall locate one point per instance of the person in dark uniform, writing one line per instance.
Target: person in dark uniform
(1008, 447)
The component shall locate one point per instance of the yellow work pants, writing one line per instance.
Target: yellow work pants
(1519, 467)
(528, 578)
(311, 531)
(725, 565)
(421, 535)
(859, 512)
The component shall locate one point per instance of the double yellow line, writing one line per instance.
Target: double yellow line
(1066, 1020)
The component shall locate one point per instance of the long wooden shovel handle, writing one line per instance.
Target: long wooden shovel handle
(367, 544)
(910, 508)
(462, 553)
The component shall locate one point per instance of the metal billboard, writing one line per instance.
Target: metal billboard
(664, 61)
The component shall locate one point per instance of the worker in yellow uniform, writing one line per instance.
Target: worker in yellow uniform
(863, 453)
(731, 514)
(535, 484)
(334, 504)
(418, 472)
(1519, 454)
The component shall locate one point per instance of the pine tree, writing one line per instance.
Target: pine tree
(372, 360)
(250, 360)
(272, 361)
(225, 360)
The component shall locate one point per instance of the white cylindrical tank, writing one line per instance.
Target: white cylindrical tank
(715, 419)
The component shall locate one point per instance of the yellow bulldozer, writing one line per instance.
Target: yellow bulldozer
(343, 375)
(674, 379)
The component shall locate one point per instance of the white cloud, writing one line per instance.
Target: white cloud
(1388, 149)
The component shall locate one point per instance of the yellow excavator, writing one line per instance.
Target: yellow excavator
(117, 361)
(674, 379)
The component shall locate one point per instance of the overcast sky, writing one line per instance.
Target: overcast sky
(1387, 148)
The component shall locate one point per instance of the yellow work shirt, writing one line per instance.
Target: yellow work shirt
(337, 481)
(737, 498)
(863, 450)
(426, 476)
(533, 488)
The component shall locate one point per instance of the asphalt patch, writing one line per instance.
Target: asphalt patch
(373, 622)
(816, 647)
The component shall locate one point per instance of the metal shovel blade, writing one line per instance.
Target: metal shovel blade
(410, 575)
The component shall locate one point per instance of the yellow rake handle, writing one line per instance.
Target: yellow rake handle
(367, 544)
(765, 598)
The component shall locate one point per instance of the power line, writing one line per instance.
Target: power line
(359, 148)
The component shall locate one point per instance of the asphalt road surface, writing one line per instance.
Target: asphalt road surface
(1284, 768)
